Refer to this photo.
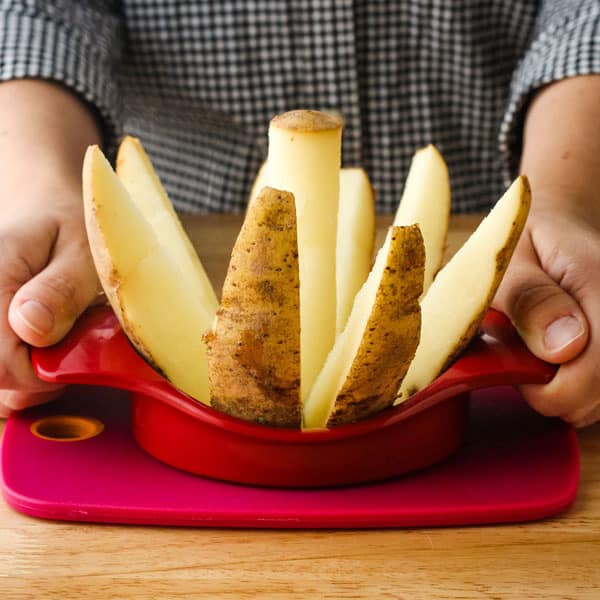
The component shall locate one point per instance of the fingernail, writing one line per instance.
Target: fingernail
(562, 332)
(36, 316)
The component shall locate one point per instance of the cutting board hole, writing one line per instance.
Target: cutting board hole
(66, 428)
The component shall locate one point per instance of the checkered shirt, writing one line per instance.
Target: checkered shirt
(198, 81)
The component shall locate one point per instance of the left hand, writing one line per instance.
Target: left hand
(551, 292)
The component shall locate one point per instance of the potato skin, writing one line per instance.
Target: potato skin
(306, 121)
(254, 347)
(392, 334)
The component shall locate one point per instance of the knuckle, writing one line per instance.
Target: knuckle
(547, 407)
(576, 276)
(572, 394)
(5, 374)
(570, 264)
(584, 416)
(15, 369)
(11, 401)
(63, 291)
(15, 267)
(528, 298)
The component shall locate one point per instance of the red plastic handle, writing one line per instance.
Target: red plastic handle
(97, 352)
(497, 356)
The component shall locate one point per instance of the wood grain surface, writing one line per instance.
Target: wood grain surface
(553, 559)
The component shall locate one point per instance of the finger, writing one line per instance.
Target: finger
(575, 389)
(15, 400)
(548, 318)
(573, 392)
(18, 263)
(588, 418)
(44, 309)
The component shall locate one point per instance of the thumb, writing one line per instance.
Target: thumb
(44, 309)
(548, 318)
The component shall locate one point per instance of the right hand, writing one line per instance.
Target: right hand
(47, 276)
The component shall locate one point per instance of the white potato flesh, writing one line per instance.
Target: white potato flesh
(158, 304)
(304, 159)
(137, 174)
(462, 291)
(319, 403)
(355, 237)
(426, 201)
(259, 183)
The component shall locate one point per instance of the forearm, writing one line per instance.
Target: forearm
(44, 130)
(561, 146)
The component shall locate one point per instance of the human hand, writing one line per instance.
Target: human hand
(47, 277)
(551, 292)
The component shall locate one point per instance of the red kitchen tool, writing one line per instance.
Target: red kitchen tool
(514, 465)
(183, 433)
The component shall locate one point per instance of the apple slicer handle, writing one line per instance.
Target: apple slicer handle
(96, 352)
(498, 356)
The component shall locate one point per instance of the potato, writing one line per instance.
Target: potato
(426, 201)
(365, 367)
(304, 158)
(298, 276)
(254, 346)
(462, 291)
(158, 301)
(355, 235)
(137, 174)
(355, 239)
(260, 181)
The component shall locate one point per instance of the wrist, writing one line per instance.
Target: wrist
(558, 202)
(45, 129)
(561, 148)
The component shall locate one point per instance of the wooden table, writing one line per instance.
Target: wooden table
(553, 559)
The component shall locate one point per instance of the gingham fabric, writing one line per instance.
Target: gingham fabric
(199, 81)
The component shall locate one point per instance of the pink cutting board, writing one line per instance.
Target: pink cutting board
(514, 466)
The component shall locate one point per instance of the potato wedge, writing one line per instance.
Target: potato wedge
(260, 181)
(134, 169)
(426, 201)
(355, 239)
(355, 235)
(370, 357)
(304, 158)
(254, 346)
(157, 301)
(463, 290)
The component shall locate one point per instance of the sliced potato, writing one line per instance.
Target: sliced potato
(137, 174)
(254, 347)
(260, 181)
(304, 159)
(370, 357)
(462, 291)
(355, 239)
(158, 301)
(355, 235)
(426, 201)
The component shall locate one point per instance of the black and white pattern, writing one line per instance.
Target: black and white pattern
(198, 81)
